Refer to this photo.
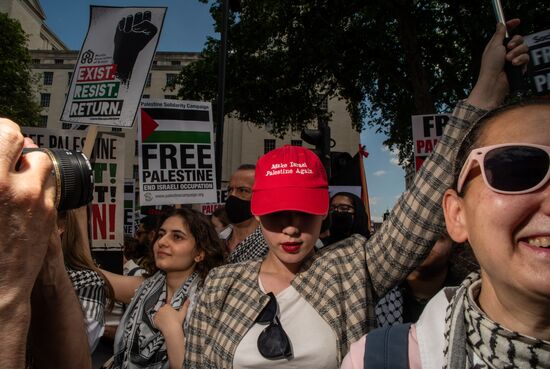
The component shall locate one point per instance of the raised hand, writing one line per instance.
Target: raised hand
(132, 34)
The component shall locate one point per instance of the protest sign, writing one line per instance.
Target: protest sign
(426, 129)
(112, 65)
(129, 199)
(176, 153)
(539, 64)
(208, 209)
(106, 225)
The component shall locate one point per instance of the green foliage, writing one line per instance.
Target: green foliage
(388, 59)
(16, 93)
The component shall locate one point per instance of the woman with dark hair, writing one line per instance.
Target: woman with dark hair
(347, 216)
(150, 334)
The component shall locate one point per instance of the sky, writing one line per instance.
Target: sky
(186, 27)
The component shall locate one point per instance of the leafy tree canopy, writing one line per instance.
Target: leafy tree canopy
(388, 59)
(16, 93)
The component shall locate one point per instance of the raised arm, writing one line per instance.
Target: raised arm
(416, 221)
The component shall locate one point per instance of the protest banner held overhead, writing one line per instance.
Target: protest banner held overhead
(112, 66)
(176, 153)
(539, 68)
(426, 130)
(106, 225)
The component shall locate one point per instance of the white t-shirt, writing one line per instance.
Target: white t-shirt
(313, 341)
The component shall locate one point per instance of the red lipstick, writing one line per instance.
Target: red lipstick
(291, 247)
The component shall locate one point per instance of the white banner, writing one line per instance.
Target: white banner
(107, 160)
(176, 153)
(112, 66)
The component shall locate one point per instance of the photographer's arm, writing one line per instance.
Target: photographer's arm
(28, 218)
(57, 334)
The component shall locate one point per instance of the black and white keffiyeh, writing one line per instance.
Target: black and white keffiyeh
(138, 343)
(252, 247)
(389, 309)
(475, 341)
(90, 289)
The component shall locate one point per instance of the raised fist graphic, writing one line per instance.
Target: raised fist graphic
(132, 34)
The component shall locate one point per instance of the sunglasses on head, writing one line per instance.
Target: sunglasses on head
(273, 342)
(512, 168)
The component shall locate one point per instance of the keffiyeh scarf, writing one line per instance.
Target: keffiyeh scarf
(138, 343)
(475, 341)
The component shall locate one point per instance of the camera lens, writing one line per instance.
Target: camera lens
(74, 177)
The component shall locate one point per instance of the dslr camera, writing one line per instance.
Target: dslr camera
(74, 179)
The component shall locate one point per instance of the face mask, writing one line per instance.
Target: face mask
(340, 223)
(225, 233)
(237, 210)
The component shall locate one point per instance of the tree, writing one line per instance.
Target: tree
(16, 79)
(388, 59)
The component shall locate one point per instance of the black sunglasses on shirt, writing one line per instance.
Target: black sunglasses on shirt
(273, 342)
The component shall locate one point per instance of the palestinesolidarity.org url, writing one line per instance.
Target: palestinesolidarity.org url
(166, 196)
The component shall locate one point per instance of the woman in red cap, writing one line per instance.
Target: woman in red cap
(298, 308)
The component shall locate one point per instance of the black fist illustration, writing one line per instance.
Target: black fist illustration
(132, 34)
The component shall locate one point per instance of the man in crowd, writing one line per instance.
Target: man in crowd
(39, 311)
(246, 240)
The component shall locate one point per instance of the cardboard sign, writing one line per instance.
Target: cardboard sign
(427, 129)
(112, 66)
(176, 153)
(108, 166)
(539, 50)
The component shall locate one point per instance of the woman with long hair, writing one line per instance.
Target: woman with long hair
(89, 282)
(150, 334)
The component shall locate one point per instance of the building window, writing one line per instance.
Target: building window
(155, 62)
(116, 129)
(171, 97)
(48, 78)
(70, 75)
(170, 78)
(296, 142)
(35, 61)
(43, 121)
(45, 100)
(145, 96)
(58, 61)
(269, 145)
(148, 80)
(66, 126)
(176, 62)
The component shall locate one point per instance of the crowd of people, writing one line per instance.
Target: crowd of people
(285, 276)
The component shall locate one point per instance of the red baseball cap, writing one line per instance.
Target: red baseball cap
(290, 178)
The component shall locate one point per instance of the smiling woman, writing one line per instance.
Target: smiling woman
(186, 247)
(499, 201)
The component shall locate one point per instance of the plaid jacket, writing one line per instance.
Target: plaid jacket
(342, 281)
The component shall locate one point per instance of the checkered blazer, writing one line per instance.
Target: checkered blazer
(342, 282)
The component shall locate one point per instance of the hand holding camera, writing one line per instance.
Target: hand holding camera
(27, 210)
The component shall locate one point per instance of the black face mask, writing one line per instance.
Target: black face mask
(340, 224)
(237, 210)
